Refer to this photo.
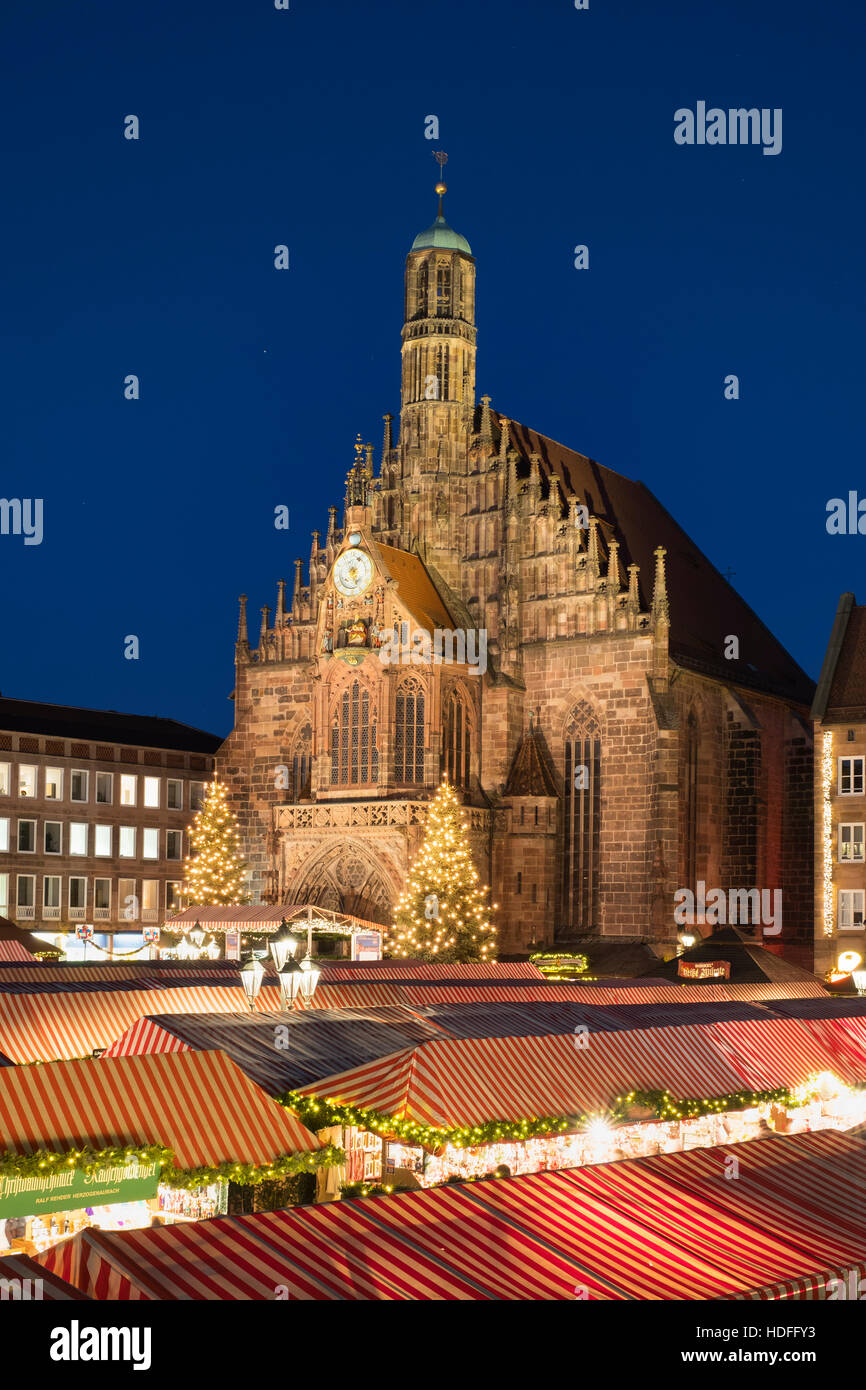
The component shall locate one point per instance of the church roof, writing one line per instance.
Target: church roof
(530, 773)
(416, 588)
(440, 234)
(705, 610)
(841, 690)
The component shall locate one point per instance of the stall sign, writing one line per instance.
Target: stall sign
(233, 945)
(84, 933)
(70, 1189)
(367, 945)
(151, 936)
(704, 969)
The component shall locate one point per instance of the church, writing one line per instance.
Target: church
(498, 610)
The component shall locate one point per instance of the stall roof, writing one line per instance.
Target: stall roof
(199, 1104)
(53, 1289)
(643, 1229)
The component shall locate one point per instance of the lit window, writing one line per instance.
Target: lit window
(27, 781)
(53, 784)
(150, 895)
(127, 789)
(78, 785)
(5, 778)
(77, 837)
(4, 894)
(151, 792)
(150, 848)
(127, 841)
(127, 902)
(4, 834)
(53, 836)
(851, 844)
(26, 836)
(102, 841)
(851, 909)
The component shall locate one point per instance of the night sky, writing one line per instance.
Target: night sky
(306, 127)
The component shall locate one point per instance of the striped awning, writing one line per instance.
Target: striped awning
(200, 1104)
(50, 1288)
(671, 1227)
(430, 970)
(13, 950)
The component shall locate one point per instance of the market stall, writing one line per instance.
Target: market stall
(663, 1228)
(119, 1144)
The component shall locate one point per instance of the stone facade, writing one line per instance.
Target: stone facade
(608, 750)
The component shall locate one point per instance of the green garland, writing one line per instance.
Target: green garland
(87, 1160)
(319, 1113)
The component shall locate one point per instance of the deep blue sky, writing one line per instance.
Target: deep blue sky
(307, 127)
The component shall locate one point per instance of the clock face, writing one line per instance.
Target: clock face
(352, 572)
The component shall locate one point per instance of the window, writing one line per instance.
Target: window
(4, 894)
(27, 781)
(354, 753)
(301, 765)
(51, 891)
(409, 733)
(4, 834)
(5, 777)
(457, 746)
(102, 840)
(519, 881)
(53, 837)
(105, 788)
(196, 796)
(26, 836)
(172, 897)
(851, 776)
(443, 288)
(127, 902)
(78, 780)
(128, 784)
(77, 837)
(150, 847)
(53, 784)
(174, 794)
(851, 844)
(582, 810)
(77, 894)
(851, 909)
(26, 891)
(127, 841)
(173, 844)
(101, 897)
(150, 899)
(151, 792)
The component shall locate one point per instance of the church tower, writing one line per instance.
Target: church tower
(438, 380)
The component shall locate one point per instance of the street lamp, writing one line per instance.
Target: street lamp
(252, 974)
(197, 935)
(687, 940)
(310, 977)
(290, 978)
(859, 978)
(283, 945)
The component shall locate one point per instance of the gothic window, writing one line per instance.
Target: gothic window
(691, 801)
(421, 291)
(443, 373)
(354, 752)
(301, 766)
(409, 733)
(582, 811)
(457, 741)
(443, 289)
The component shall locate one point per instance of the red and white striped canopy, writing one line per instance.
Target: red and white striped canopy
(14, 950)
(200, 1104)
(51, 1289)
(672, 1227)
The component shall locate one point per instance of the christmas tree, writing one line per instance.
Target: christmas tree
(214, 872)
(443, 914)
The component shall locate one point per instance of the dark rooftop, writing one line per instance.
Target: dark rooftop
(101, 725)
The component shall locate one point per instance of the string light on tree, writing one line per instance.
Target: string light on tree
(443, 913)
(214, 872)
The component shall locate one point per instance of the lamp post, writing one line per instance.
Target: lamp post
(252, 974)
(687, 941)
(283, 945)
(197, 935)
(290, 978)
(310, 979)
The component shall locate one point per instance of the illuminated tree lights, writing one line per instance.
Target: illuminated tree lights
(45, 1162)
(443, 914)
(214, 872)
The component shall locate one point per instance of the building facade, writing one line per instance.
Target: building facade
(506, 613)
(839, 713)
(94, 812)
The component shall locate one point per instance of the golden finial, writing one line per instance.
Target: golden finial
(441, 187)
